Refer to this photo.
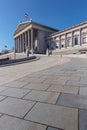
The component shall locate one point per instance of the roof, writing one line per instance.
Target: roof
(69, 28)
(23, 25)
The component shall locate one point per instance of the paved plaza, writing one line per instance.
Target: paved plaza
(48, 94)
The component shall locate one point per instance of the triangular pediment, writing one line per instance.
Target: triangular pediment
(21, 26)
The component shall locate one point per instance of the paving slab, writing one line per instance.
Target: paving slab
(36, 80)
(12, 123)
(73, 83)
(73, 78)
(82, 120)
(15, 84)
(2, 88)
(42, 96)
(64, 89)
(31, 79)
(55, 116)
(83, 80)
(2, 98)
(76, 83)
(50, 77)
(60, 82)
(15, 107)
(50, 128)
(72, 100)
(37, 86)
(0, 115)
(69, 69)
(15, 92)
(83, 91)
(27, 79)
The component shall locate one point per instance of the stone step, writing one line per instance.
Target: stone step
(70, 50)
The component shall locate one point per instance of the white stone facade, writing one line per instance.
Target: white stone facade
(38, 37)
(70, 37)
(31, 35)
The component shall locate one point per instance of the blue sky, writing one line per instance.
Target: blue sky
(55, 13)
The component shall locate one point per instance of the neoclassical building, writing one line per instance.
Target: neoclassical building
(69, 37)
(38, 37)
(33, 35)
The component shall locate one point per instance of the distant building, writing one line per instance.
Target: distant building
(38, 37)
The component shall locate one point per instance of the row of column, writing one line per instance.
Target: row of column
(72, 39)
(24, 40)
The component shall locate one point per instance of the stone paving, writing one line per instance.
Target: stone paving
(52, 98)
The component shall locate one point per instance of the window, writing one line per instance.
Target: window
(62, 43)
(76, 40)
(57, 43)
(84, 38)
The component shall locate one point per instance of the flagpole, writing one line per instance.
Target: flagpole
(26, 15)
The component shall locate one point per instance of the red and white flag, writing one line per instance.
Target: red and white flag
(26, 15)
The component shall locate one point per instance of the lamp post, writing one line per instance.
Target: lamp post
(5, 49)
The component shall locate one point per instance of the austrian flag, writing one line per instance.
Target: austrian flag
(26, 15)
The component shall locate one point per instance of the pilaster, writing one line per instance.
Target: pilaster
(72, 43)
(59, 42)
(80, 41)
(65, 40)
(29, 39)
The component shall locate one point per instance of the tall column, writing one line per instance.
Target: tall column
(72, 43)
(19, 43)
(23, 41)
(65, 40)
(15, 49)
(32, 41)
(80, 42)
(15, 45)
(29, 39)
(59, 42)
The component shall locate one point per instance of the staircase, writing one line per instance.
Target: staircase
(71, 50)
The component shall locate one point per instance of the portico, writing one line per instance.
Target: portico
(23, 40)
(32, 35)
